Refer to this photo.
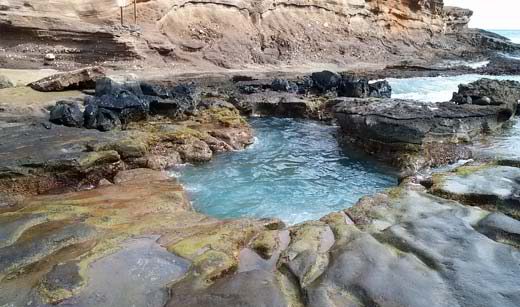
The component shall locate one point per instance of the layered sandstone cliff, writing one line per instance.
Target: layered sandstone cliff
(226, 33)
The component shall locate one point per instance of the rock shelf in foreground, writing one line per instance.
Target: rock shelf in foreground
(404, 247)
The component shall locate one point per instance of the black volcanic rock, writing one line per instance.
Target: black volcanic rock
(412, 134)
(183, 99)
(107, 120)
(489, 92)
(325, 81)
(150, 89)
(283, 85)
(349, 87)
(66, 113)
(90, 115)
(380, 89)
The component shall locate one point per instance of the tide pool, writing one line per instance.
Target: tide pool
(295, 171)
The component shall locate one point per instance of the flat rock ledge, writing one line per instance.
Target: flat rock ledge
(405, 247)
(413, 135)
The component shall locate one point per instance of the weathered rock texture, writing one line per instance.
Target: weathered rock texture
(234, 33)
(85, 221)
(78, 79)
(404, 247)
(413, 134)
(491, 186)
(40, 157)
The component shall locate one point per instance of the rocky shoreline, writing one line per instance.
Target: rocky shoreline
(89, 216)
(76, 199)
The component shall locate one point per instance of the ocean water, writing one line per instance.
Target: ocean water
(295, 171)
(435, 89)
(513, 35)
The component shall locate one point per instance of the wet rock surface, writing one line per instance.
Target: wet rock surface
(141, 265)
(74, 248)
(40, 157)
(431, 245)
(494, 187)
(92, 224)
(404, 247)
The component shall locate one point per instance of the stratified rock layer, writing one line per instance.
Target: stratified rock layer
(234, 33)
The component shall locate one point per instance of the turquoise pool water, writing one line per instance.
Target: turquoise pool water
(295, 171)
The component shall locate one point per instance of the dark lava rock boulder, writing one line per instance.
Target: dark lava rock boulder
(184, 100)
(349, 87)
(155, 90)
(361, 88)
(114, 110)
(108, 86)
(489, 92)
(380, 89)
(67, 113)
(90, 114)
(304, 85)
(122, 100)
(283, 85)
(409, 121)
(325, 81)
(107, 120)
(84, 78)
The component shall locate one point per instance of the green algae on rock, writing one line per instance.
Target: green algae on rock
(105, 218)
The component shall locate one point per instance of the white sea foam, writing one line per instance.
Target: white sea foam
(436, 89)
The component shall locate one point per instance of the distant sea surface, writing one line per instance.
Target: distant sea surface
(513, 35)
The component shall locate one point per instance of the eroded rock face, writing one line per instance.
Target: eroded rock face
(456, 18)
(41, 157)
(215, 33)
(413, 122)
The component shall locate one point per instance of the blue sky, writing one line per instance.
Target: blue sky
(496, 14)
